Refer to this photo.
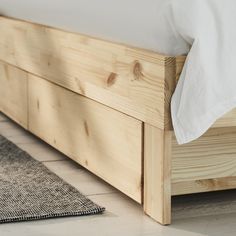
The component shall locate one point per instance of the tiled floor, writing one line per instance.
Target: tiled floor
(204, 214)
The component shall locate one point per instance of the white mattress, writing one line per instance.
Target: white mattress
(206, 89)
(133, 22)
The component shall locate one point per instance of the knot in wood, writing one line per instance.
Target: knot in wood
(137, 70)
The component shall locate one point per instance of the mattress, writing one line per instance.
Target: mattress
(133, 22)
(202, 28)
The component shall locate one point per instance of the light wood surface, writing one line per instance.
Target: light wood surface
(203, 185)
(200, 165)
(105, 141)
(157, 174)
(128, 79)
(179, 63)
(228, 120)
(173, 67)
(13, 93)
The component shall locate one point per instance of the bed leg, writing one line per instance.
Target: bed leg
(157, 174)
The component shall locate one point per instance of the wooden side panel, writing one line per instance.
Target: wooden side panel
(180, 60)
(13, 93)
(105, 141)
(228, 120)
(173, 69)
(204, 164)
(124, 78)
(157, 174)
(204, 185)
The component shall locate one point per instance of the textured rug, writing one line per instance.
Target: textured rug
(29, 191)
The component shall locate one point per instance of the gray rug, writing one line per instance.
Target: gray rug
(29, 191)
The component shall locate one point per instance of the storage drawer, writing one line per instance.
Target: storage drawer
(206, 164)
(13, 93)
(103, 140)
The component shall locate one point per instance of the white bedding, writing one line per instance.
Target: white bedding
(133, 22)
(206, 89)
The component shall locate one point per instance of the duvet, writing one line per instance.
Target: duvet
(207, 87)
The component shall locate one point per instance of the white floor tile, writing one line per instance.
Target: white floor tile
(10, 129)
(42, 152)
(2, 117)
(23, 139)
(15, 133)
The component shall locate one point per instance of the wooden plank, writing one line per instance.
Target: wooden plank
(127, 79)
(179, 63)
(228, 120)
(157, 174)
(173, 68)
(105, 141)
(209, 158)
(203, 185)
(13, 93)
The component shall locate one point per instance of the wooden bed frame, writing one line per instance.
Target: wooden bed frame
(107, 106)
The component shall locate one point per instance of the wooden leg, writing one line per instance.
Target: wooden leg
(157, 174)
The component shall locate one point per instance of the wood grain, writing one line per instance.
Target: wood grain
(13, 93)
(213, 156)
(104, 141)
(157, 174)
(173, 69)
(228, 120)
(203, 185)
(127, 79)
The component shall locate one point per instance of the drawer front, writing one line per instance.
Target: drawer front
(13, 93)
(103, 140)
(206, 164)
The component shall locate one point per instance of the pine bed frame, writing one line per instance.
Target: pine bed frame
(107, 106)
